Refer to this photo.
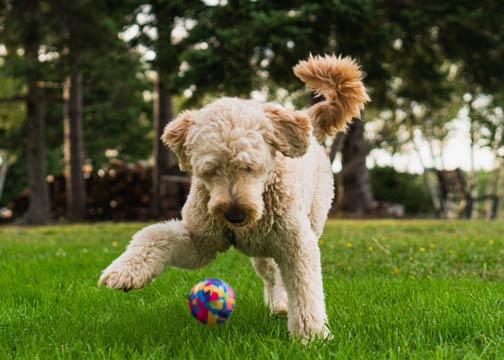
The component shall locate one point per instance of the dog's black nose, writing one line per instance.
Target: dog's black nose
(235, 215)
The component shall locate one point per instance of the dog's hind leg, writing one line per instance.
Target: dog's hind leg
(151, 250)
(323, 194)
(275, 295)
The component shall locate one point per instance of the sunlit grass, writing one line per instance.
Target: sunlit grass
(394, 289)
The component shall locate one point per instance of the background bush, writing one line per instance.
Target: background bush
(401, 188)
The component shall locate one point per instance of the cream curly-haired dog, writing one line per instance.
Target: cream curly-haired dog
(260, 182)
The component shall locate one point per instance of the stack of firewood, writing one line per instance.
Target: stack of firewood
(120, 191)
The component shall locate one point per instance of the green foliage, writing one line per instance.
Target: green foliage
(12, 119)
(12, 114)
(247, 44)
(401, 188)
(115, 113)
(414, 289)
(78, 36)
(472, 34)
(488, 123)
(250, 44)
(15, 182)
(419, 60)
(486, 186)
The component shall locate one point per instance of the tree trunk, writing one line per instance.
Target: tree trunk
(473, 181)
(4, 166)
(39, 209)
(165, 162)
(357, 194)
(74, 148)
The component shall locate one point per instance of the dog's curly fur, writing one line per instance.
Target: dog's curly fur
(260, 181)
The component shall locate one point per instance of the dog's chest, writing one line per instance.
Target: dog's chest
(248, 242)
(260, 241)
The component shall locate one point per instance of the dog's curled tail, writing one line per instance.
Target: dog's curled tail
(339, 80)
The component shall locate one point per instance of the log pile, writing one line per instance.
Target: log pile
(118, 192)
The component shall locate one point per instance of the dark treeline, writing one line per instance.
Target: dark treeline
(85, 81)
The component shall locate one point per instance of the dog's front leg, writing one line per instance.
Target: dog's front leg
(302, 275)
(150, 251)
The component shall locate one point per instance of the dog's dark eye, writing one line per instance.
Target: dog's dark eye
(247, 169)
(209, 173)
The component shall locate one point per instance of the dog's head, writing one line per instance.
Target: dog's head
(230, 146)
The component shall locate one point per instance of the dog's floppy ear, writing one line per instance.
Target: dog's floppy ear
(291, 131)
(175, 134)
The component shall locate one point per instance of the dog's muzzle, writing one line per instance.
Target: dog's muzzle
(235, 215)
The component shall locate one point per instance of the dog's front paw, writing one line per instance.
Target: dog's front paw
(306, 336)
(123, 277)
(326, 334)
(307, 331)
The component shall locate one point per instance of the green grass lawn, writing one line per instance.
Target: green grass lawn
(394, 289)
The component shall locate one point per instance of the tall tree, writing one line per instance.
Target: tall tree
(24, 34)
(163, 16)
(74, 147)
(165, 64)
(355, 179)
(112, 83)
(77, 24)
(84, 27)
